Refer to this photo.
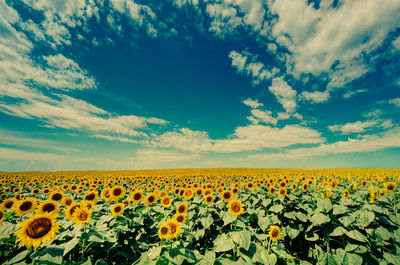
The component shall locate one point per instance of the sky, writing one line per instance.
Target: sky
(123, 84)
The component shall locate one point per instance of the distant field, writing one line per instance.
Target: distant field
(202, 216)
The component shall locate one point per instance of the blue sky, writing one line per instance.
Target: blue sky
(125, 84)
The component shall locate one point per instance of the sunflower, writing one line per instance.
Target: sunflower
(2, 216)
(82, 216)
(126, 202)
(37, 230)
(69, 213)
(305, 187)
(88, 204)
(8, 204)
(271, 191)
(182, 208)
(91, 196)
(235, 207)
(175, 228)
(328, 192)
(391, 186)
(188, 194)
(166, 202)
(150, 199)
(208, 199)
(199, 192)
(48, 206)
(227, 195)
(180, 218)
(117, 209)
(274, 233)
(346, 194)
(235, 190)
(137, 196)
(56, 196)
(207, 192)
(67, 201)
(162, 194)
(105, 194)
(26, 206)
(282, 191)
(117, 192)
(164, 231)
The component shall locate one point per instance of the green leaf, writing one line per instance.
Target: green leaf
(319, 218)
(366, 217)
(290, 215)
(339, 209)
(242, 238)
(199, 234)
(324, 205)
(354, 259)
(50, 254)
(382, 233)
(347, 220)
(223, 243)
(276, 208)
(206, 221)
(263, 223)
(269, 259)
(7, 229)
(338, 231)
(391, 258)
(19, 257)
(69, 245)
(292, 232)
(395, 218)
(301, 216)
(314, 237)
(356, 235)
(266, 202)
(208, 258)
(228, 218)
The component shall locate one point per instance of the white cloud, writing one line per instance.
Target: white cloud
(316, 96)
(353, 127)
(396, 43)
(264, 116)
(333, 40)
(252, 103)
(367, 143)
(351, 93)
(15, 154)
(246, 63)
(245, 138)
(156, 156)
(284, 94)
(395, 101)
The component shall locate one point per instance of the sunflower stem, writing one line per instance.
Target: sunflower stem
(269, 245)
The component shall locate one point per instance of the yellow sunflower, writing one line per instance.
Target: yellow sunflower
(126, 202)
(188, 194)
(69, 213)
(164, 231)
(8, 204)
(166, 201)
(150, 199)
(208, 199)
(391, 186)
(82, 216)
(137, 196)
(235, 207)
(67, 201)
(180, 218)
(91, 196)
(182, 208)
(47, 206)
(282, 191)
(175, 228)
(105, 194)
(56, 196)
(275, 233)
(25, 206)
(346, 194)
(117, 192)
(227, 195)
(117, 209)
(37, 230)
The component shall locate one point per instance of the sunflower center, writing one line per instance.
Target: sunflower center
(166, 201)
(56, 197)
(137, 196)
(173, 228)
(38, 227)
(235, 207)
(180, 218)
(209, 199)
(390, 187)
(83, 216)
(227, 195)
(68, 201)
(25, 206)
(151, 199)
(8, 205)
(117, 192)
(274, 233)
(117, 209)
(164, 230)
(90, 197)
(181, 209)
(49, 207)
(72, 210)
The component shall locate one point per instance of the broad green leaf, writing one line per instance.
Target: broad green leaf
(7, 229)
(338, 231)
(356, 235)
(301, 216)
(227, 218)
(391, 258)
(223, 243)
(290, 215)
(19, 257)
(69, 245)
(314, 237)
(292, 232)
(208, 258)
(324, 205)
(49, 254)
(266, 202)
(206, 221)
(395, 218)
(339, 209)
(242, 238)
(354, 259)
(382, 233)
(263, 223)
(276, 208)
(347, 220)
(199, 234)
(319, 218)
(365, 218)
(269, 259)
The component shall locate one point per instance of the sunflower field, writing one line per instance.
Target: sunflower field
(201, 216)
